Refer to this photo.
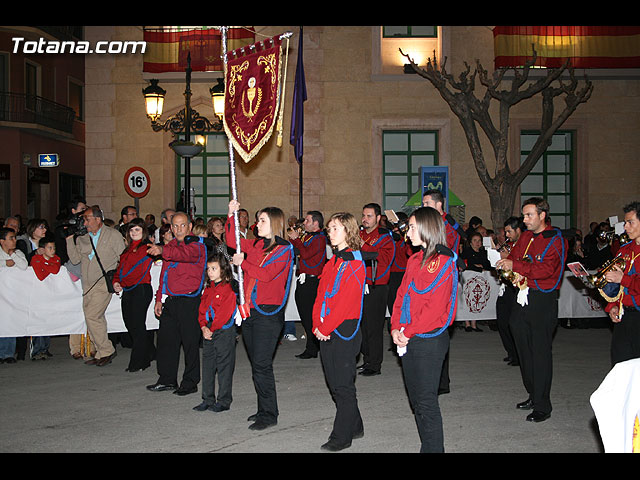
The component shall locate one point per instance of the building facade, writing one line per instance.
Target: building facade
(368, 127)
(41, 121)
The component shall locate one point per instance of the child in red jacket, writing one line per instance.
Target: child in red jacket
(44, 264)
(217, 322)
(48, 262)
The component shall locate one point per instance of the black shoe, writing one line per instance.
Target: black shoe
(507, 359)
(202, 407)
(367, 372)
(468, 329)
(216, 407)
(305, 355)
(443, 391)
(514, 363)
(10, 360)
(526, 405)
(359, 434)
(477, 329)
(252, 418)
(101, 362)
(182, 391)
(333, 446)
(261, 424)
(361, 367)
(536, 416)
(159, 387)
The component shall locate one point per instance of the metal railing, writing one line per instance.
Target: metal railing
(23, 108)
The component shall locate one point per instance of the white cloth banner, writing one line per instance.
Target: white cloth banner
(30, 307)
(53, 306)
(478, 292)
(616, 403)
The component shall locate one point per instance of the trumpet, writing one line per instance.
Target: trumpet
(609, 236)
(506, 246)
(511, 276)
(598, 280)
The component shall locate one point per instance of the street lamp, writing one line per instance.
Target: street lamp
(185, 121)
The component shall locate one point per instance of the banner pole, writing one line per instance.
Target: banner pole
(234, 190)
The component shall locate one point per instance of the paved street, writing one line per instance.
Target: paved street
(62, 405)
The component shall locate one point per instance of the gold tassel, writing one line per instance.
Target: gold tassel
(283, 82)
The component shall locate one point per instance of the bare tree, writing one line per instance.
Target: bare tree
(473, 111)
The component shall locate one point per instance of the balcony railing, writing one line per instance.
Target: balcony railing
(22, 108)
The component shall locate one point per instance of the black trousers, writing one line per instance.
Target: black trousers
(421, 369)
(504, 305)
(339, 363)
(305, 295)
(135, 303)
(533, 327)
(179, 327)
(261, 334)
(219, 358)
(625, 340)
(373, 317)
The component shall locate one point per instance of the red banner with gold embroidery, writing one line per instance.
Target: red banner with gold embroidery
(252, 95)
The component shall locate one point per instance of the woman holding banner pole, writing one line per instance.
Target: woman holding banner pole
(267, 265)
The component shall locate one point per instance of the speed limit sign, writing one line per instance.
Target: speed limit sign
(137, 182)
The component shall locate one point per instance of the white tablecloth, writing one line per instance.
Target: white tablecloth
(30, 307)
(616, 404)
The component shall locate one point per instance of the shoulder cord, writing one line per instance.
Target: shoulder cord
(557, 235)
(406, 302)
(394, 259)
(165, 287)
(336, 286)
(126, 289)
(394, 255)
(210, 315)
(625, 290)
(455, 227)
(254, 292)
(324, 252)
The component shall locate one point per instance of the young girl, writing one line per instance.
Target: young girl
(217, 322)
(425, 306)
(336, 321)
(267, 270)
(133, 279)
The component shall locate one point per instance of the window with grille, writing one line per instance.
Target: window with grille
(552, 177)
(403, 153)
(210, 178)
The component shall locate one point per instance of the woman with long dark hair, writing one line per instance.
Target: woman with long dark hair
(133, 280)
(267, 266)
(425, 306)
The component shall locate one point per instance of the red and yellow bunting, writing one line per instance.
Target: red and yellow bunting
(586, 46)
(166, 50)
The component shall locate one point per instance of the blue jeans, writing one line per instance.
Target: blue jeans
(7, 347)
(39, 345)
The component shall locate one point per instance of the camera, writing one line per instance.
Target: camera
(75, 225)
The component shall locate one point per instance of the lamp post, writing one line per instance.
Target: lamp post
(185, 121)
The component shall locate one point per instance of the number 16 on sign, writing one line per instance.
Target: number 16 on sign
(137, 183)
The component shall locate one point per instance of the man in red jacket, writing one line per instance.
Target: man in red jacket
(177, 302)
(375, 239)
(311, 249)
(538, 258)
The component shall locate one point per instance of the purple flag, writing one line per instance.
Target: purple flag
(299, 97)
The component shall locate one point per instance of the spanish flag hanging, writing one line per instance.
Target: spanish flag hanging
(167, 48)
(252, 95)
(585, 46)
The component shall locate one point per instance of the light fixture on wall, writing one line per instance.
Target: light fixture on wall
(186, 121)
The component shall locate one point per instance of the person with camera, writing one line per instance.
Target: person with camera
(98, 251)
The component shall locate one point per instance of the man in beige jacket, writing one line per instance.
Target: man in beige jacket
(109, 244)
